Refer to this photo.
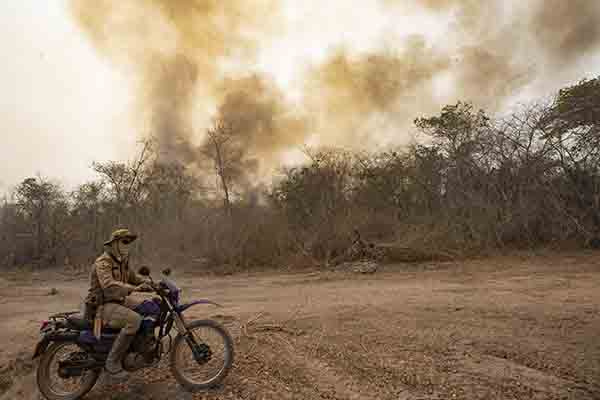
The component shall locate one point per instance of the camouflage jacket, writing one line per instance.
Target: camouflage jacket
(111, 280)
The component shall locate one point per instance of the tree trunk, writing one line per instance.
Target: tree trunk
(221, 173)
(39, 235)
(95, 232)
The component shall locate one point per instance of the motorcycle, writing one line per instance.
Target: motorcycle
(72, 357)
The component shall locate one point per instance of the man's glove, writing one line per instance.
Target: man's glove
(144, 287)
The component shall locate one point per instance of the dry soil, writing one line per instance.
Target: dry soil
(515, 327)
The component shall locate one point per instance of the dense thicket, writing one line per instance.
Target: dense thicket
(526, 180)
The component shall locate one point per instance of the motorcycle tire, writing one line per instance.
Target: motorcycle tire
(180, 341)
(44, 380)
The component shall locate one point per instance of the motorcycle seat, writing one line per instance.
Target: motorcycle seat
(76, 321)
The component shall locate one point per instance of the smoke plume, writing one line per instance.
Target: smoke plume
(492, 51)
(566, 30)
(262, 123)
(177, 49)
(193, 63)
(562, 29)
(352, 96)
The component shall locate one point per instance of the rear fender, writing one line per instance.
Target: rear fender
(43, 344)
(63, 336)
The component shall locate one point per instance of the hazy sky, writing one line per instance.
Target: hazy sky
(64, 105)
(60, 102)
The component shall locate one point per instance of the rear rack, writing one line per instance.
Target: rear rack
(63, 315)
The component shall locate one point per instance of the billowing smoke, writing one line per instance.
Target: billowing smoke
(563, 30)
(261, 122)
(193, 62)
(380, 93)
(480, 61)
(353, 95)
(169, 98)
(177, 49)
(488, 75)
(493, 50)
(566, 30)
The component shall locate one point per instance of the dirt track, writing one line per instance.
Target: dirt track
(507, 328)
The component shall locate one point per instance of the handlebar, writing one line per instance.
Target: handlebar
(158, 288)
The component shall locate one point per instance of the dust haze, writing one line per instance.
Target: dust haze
(177, 50)
(567, 30)
(192, 63)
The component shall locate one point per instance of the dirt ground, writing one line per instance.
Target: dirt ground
(518, 327)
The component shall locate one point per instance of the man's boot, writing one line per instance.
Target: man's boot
(119, 347)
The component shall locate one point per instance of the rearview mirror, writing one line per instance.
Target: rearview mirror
(144, 271)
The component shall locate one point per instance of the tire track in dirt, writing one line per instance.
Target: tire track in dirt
(327, 380)
(299, 360)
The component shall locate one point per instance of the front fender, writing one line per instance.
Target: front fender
(182, 307)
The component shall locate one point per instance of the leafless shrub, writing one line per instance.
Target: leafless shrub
(531, 178)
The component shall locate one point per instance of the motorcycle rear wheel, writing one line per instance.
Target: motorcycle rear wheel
(46, 376)
(181, 354)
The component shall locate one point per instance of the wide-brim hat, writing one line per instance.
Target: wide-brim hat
(121, 234)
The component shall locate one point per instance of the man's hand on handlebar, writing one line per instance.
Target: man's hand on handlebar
(144, 287)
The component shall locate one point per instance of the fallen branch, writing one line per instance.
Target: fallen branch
(275, 328)
(363, 346)
(294, 314)
(314, 350)
(244, 327)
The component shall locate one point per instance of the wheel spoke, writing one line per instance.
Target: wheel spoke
(55, 382)
(201, 373)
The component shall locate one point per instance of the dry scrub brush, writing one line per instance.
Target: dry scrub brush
(528, 179)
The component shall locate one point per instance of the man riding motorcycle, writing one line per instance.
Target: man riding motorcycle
(109, 301)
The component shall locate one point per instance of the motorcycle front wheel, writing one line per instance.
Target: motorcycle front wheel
(50, 383)
(202, 360)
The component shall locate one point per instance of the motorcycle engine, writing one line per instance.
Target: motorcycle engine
(144, 343)
(135, 361)
(143, 353)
